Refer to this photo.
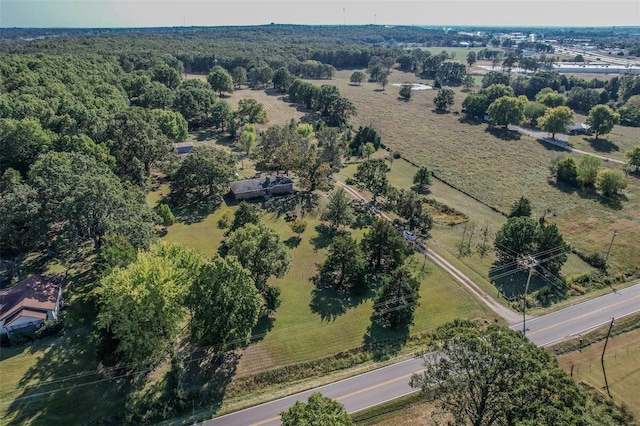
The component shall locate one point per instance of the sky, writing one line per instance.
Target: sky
(154, 13)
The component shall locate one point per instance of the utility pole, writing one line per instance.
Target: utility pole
(615, 232)
(532, 263)
(606, 383)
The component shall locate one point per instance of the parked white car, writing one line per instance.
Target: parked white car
(409, 235)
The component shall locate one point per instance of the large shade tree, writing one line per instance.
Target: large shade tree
(490, 376)
(203, 176)
(372, 175)
(224, 303)
(142, 305)
(556, 120)
(82, 201)
(220, 80)
(507, 110)
(259, 249)
(318, 411)
(602, 118)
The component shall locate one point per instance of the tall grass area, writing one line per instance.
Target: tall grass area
(497, 168)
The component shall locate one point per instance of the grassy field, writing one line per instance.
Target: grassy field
(496, 167)
(309, 325)
(622, 359)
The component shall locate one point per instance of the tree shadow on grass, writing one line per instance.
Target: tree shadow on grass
(551, 147)
(562, 186)
(304, 202)
(502, 133)
(614, 202)
(193, 212)
(362, 220)
(471, 121)
(511, 281)
(330, 304)
(57, 387)
(264, 326)
(324, 236)
(602, 145)
(292, 242)
(383, 342)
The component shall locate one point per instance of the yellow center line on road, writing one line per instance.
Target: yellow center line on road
(264, 422)
(377, 385)
(583, 316)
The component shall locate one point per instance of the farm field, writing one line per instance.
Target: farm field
(622, 358)
(494, 167)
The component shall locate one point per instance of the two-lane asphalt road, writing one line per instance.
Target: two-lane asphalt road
(387, 383)
(356, 393)
(582, 317)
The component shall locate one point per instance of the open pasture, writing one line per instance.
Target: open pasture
(497, 167)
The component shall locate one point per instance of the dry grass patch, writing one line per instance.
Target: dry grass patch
(495, 167)
(622, 360)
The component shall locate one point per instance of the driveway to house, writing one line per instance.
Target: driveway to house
(561, 141)
(507, 314)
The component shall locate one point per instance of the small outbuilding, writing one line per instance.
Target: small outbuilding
(580, 129)
(183, 148)
(28, 304)
(261, 187)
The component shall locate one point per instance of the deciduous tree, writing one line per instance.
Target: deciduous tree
(203, 176)
(372, 175)
(142, 305)
(405, 92)
(259, 249)
(357, 77)
(611, 181)
(251, 111)
(587, 169)
(517, 238)
(318, 411)
(338, 212)
(224, 303)
(248, 138)
(634, 157)
(344, 267)
(556, 120)
(444, 99)
(239, 76)
(485, 376)
(602, 118)
(507, 110)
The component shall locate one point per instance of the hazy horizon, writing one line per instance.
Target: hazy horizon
(203, 13)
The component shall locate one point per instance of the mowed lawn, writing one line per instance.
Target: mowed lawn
(308, 325)
(497, 168)
(622, 361)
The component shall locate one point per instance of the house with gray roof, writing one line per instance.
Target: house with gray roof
(261, 187)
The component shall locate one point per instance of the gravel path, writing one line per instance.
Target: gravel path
(507, 314)
(559, 141)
